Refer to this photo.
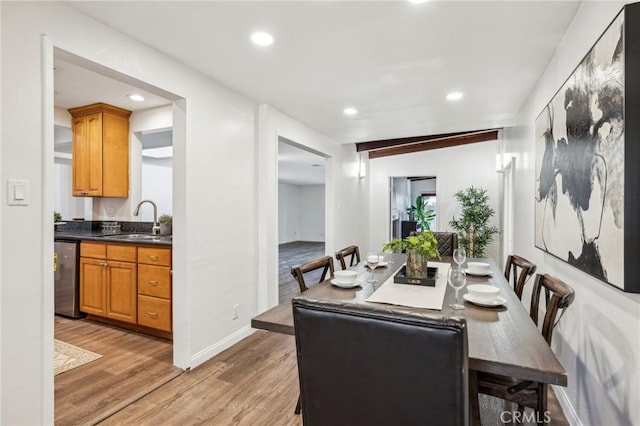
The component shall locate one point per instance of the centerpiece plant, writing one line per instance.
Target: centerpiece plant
(419, 249)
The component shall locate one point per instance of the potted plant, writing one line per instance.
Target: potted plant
(420, 214)
(419, 249)
(472, 226)
(165, 221)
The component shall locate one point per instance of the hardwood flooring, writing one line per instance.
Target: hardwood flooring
(131, 366)
(255, 383)
(291, 254)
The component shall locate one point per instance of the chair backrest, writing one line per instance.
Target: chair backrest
(522, 270)
(298, 271)
(364, 365)
(558, 296)
(447, 242)
(352, 251)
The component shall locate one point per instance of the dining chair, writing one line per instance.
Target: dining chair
(352, 251)
(298, 271)
(367, 365)
(526, 393)
(447, 242)
(522, 270)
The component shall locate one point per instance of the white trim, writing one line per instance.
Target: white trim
(213, 350)
(567, 407)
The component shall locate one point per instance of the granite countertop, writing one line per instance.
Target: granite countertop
(125, 238)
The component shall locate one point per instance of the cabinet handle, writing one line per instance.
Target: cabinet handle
(153, 314)
(105, 264)
(152, 257)
(153, 282)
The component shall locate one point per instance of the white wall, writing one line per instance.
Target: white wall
(157, 185)
(598, 340)
(456, 168)
(344, 224)
(207, 252)
(288, 212)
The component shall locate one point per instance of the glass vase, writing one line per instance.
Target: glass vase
(416, 264)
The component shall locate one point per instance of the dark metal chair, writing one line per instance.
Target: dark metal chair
(342, 255)
(367, 365)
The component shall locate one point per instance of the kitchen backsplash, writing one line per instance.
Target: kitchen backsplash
(96, 226)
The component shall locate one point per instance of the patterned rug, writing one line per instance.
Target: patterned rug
(67, 357)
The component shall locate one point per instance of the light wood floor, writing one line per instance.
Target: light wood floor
(131, 366)
(291, 254)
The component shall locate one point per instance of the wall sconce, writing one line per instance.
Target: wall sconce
(362, 166)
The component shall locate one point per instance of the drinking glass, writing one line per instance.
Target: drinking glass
(372, 260)
(459, 256)
(457, 279)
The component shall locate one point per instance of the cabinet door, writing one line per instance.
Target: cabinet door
(93, 290)
(122, 291)
(87, 155)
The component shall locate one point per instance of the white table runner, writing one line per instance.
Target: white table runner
(416, 296)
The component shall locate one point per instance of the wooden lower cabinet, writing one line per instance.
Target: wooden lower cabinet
(127, 284)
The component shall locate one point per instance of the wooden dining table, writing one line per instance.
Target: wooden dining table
(502, 340)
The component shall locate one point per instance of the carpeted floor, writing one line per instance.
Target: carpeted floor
(67, 357)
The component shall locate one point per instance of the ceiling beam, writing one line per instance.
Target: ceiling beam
(385, 143)
(435, 143)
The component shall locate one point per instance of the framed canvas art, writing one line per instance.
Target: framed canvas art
(587, 170)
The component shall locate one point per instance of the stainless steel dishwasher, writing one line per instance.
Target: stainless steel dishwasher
(66, 279)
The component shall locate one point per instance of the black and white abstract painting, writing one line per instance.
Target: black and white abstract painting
(579, 193)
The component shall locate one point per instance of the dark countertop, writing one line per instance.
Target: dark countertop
(129, 238)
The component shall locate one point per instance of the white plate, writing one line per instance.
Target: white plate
(379, 264)
(498, 301)
(356, 283)
(477, 274)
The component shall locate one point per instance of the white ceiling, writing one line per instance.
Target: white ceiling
(392, 60)
(299, 167)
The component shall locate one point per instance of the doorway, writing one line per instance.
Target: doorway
(301, 212)
(413, 205)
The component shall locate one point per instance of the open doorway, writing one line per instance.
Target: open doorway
(128, 360)
(301, 212)
(413, 205)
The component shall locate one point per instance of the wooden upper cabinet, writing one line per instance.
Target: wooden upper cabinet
(100, 147)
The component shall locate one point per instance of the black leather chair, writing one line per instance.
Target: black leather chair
(447, 242)
(360, 364)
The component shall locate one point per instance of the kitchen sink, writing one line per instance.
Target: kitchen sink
(137, 237)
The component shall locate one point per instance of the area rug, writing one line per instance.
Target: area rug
(67, 357)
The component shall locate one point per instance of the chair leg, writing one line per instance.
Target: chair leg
(474, 404)
(298, 407)
(541, 406)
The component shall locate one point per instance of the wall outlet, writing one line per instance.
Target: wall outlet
(236, 309)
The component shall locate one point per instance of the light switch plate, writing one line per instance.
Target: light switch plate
(17, 192)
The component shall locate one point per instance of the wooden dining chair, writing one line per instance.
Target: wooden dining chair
(298, 271)
(376, 365)
(526, 393)
(522, 270)
(352, 251)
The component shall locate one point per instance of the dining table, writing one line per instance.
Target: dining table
(503, 340)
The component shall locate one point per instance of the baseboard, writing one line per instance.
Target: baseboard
(567, 407)
(213, 350)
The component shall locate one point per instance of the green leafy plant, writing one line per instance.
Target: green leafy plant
(421, 214)
(424, 243)
(57, 217)
(472, 225)
(165, 218)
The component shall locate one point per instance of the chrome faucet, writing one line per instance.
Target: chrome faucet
(155, 229)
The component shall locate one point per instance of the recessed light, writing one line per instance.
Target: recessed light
(418, 1)
(454, 96)
(262, 39)
(350, 111)
(136, 98)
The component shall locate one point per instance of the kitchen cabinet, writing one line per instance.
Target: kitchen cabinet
(108, 281)
(127, 285)
(100, 147)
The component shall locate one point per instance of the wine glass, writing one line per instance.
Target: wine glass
(459, 256)
(372, 260)
(457, 279)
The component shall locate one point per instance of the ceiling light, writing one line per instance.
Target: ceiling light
(350, 111)
(418, 1)
(262, 39)
(136, 98)
(454, 96)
